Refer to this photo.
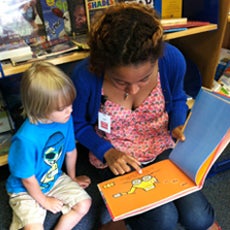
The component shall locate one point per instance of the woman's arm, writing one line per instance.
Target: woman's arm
(85, 110)
(172, 67)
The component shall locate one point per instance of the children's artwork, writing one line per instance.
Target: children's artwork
(207, 134)
(56, 18)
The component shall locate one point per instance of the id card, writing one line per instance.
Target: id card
(104, 122)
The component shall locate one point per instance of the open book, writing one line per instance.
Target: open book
(207, 134)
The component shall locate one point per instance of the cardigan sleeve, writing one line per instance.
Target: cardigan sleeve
(85, 110)
(172, 68)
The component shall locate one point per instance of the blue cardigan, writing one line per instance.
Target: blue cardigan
(172, 67)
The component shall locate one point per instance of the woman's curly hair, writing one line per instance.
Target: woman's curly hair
(125, 34)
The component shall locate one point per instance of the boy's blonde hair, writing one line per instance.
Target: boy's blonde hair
(44, 89)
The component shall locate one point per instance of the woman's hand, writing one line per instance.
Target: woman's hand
(121, 163)
(178, 133)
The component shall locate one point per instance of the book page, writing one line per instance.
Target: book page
(158, 184)
(208, 124)
(204, 169)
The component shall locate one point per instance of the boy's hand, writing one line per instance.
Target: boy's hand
(178, 133)
(83, 181)
(52, 204)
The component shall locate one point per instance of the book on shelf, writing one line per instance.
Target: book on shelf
(78, 18)
(224, 58)
(224, 80)
(21, 58)
(54, 47)
(55, 16)
(12, 45)
(50, 49)
(173, 30)
(145, 2)
(173, 21)
(183, 26)
(23, 18)
(169, 9)
(186, 169)
(93, 7)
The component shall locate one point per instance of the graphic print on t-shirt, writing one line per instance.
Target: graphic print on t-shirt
(51, 153)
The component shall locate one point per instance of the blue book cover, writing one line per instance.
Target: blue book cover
(56, 18)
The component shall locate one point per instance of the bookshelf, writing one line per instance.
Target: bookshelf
(10, 70)
(76, 56)
(201, 44)
(204, 48)
(195, 30)
(3, 160)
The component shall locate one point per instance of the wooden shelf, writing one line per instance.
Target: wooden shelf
(11, 70)
(195, 30)
(8, 69)
(3, 159)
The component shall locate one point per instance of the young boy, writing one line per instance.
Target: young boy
(38, 150)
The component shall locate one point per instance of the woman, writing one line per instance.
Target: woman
(131, 106)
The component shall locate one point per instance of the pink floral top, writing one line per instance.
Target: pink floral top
(142, 133)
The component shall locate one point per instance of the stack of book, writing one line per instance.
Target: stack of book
(51, 49)
(54, 47)
(13, 46)
(179, 24)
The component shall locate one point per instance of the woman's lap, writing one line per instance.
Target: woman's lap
(193, 211)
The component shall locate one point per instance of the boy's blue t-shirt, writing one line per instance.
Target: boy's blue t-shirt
(39, 150)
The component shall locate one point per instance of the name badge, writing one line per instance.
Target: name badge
(104, 122)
